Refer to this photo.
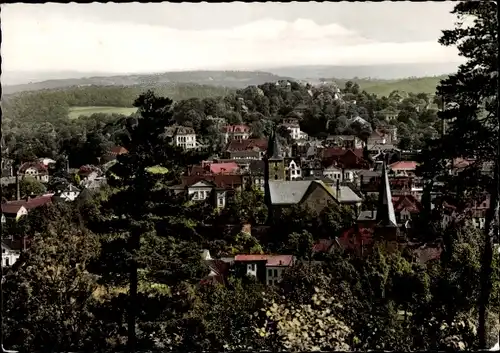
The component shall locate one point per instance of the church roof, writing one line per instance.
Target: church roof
(385, 209)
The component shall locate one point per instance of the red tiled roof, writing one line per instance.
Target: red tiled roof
(118, 150)
(408, 202)
(9, 208)
(356, 237)
(403, 165)
(271, 260)
(247, 144)
(40, 167)
(33, 202)
(217, 168)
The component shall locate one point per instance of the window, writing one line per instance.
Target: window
(7, 262)
(269, 273)
(275, 176)
(270, 282)
(275, 273)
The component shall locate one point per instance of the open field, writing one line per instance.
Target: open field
(415, 85)
(75, 112)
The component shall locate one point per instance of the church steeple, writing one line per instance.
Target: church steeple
(386, 218)
(273, 147)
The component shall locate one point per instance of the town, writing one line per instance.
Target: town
(282, 215)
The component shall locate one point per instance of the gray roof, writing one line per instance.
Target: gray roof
(367, 216)
(292, 192)
(288, 192)
(385, 210)
(347, 195)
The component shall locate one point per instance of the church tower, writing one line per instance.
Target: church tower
(274, 169)
(386, 228)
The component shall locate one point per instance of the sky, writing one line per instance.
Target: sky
(134, 37)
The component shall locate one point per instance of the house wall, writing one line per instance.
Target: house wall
(9, 257)
(69, 195)
(274, 274)
(317, 198)
(277, 170)
(199, 193)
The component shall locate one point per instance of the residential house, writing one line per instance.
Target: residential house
(69, 193)
(89, 172)
(9, 255)
(14, 210)
(215, 188)
(403, 168)
(312, 168)
(344, 141)
(358, 120)
(389, 114)
(313, 193)
(7, 167)
(293, 170)
(268, 269)
(112, 154)
(347, 160)
(35, 170)
(381, 141)
(293, 126)
(235, 132)
(246, 149)
(182, 136)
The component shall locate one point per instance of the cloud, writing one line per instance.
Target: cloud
(52, 42)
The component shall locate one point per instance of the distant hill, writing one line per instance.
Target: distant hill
(385, 87)
(230, 79)
(377, 72)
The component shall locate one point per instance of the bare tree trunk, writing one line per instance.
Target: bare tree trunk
(134, 282)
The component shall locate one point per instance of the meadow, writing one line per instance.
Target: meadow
(75, 112)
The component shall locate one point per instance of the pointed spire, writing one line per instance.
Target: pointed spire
(273, 147)
(385, 209)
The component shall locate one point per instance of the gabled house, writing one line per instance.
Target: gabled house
(215, 188)
(403, 168)
(313, 193)
(14, 210)
(69, 193)
(406, 207)
(235, 132)
(112, 153)
(268, 269)
(293, 170)
(388, 114)
(36, 170)
(210, 167)
(9, 255)
(344, 141)
(293, 126)
(246, 149)
(182, 136)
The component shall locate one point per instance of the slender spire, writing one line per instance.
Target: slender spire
(385, 209)
(273, 147)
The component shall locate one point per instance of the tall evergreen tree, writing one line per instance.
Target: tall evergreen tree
(471, 115)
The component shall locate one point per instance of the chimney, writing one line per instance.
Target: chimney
(18, 188)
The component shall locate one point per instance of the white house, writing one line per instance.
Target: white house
(70, 193)
(9, 256)
(333, 172)
(35, 170)
(293, 171)
(181, 136)
(293, 126)
(202, 190)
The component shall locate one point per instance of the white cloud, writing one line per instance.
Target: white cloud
(52, 42)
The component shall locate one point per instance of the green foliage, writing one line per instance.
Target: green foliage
(29, 186)
(49, 298)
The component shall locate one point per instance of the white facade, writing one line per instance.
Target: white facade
(34, 173)
(187, 141)
(69, 194)
(293, 171)
(252, 269)
(9, 256)
(333, 173)
(296, 133)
